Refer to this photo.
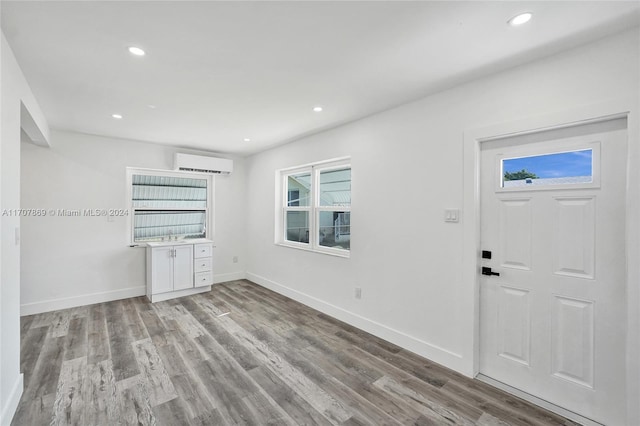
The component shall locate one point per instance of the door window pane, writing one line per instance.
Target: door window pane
(562, 168)
(297, 226)
(335, 229)
(298, 188)
(335, 187)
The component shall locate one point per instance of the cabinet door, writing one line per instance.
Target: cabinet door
(183, 267)
(162, 270)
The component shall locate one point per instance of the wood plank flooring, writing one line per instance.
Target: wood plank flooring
(239, 354)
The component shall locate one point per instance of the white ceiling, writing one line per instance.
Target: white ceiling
(219, 72)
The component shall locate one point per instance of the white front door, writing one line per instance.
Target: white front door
(553, 322)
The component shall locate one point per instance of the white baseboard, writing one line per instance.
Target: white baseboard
(430, 351)
(85, 299)
(179, 293)
(105, 296)
(231, 276)
(13, 400)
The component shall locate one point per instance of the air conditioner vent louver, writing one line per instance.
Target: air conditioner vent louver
(187, 169)
(202, 164)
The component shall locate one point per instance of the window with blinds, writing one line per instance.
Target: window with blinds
(168, 206)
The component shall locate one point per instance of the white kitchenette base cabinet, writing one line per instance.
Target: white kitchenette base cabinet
(175, 269)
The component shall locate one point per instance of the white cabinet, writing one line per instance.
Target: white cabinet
(176, 269)
(202, 250)
(182, 267)
(161, 261)
(203, 264)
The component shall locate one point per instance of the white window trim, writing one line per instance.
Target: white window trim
(314, 209)
(210, 222)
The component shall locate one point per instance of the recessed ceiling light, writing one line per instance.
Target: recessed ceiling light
(520, 19)
(152, 106)
(317, 109)
(136, 51)
(247, 139)
(116, 116)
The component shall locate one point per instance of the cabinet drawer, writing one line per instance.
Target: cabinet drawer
(202, 264)
(202, 250)
(203, 278)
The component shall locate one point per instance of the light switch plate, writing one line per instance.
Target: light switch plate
(452, 215)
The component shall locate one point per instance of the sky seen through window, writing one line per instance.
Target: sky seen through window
(562, 164)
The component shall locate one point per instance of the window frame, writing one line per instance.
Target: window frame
(209, 210)
(313, 210)
(285, 207)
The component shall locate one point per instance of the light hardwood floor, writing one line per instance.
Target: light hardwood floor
(239, 354)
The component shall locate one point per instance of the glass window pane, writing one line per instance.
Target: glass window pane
(297, 226)
(156, 225)
(335, 230)
(298, 190)
(168, 192)
(168, 207)
(335, 188)
(560, 168)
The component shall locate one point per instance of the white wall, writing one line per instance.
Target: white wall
(71, 261)
(17, 101)
(407, 168)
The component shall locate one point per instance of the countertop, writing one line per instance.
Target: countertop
(178, 242)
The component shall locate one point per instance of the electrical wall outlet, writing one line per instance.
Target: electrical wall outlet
(235, 259)
(358, 293)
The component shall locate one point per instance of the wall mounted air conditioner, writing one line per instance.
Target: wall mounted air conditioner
(202, 164)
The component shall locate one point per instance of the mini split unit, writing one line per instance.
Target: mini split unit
(202, 164)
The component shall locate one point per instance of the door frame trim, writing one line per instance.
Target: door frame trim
(473, 138)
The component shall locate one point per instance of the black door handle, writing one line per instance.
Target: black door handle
(488, 271)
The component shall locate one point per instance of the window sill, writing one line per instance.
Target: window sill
(335, 253)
